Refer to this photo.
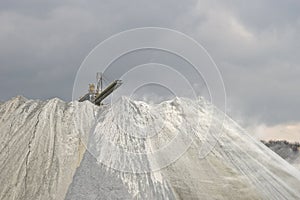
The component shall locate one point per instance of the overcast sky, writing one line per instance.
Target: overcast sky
(254, 43)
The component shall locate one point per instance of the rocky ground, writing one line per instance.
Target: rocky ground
(289, 151)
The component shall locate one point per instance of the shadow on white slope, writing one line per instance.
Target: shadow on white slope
(40, 151)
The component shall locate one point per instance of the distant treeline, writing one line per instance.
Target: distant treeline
(294, 146)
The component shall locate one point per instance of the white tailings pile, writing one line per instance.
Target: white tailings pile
(41, 150)
(40, 147)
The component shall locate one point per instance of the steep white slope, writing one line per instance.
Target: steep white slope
(239, 167)
(40, 147)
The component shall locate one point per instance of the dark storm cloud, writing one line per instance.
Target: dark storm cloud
(254, 43)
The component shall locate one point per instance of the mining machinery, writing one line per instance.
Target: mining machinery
(97, 95)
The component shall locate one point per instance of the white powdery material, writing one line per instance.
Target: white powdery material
(43, 142)
(40, 146)
(237, 166)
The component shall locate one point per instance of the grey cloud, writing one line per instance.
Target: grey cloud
(254, 43)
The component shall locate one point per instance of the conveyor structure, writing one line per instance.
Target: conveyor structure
(98, 95)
